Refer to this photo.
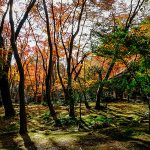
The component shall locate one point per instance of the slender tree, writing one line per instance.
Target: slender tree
(23, 122)
(73, 20)
(4, 84)
(48, 80)
(14, 35)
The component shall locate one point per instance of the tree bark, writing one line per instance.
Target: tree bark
(22, 113)
(48, 98)
(70, 96)
(6, 98)
(36, 79)
(101, 85)
(4, 84)
(85, 100)
(48, 80)
(149, 113)
(98, 97)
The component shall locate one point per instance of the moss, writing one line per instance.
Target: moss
(121, 122)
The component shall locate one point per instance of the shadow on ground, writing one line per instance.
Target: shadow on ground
(28, 143)
(7, 142)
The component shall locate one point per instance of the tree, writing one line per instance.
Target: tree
(139, 43)
(67, 38)
(23, 122)
(4, 68)
(48, 80)
(113, 42)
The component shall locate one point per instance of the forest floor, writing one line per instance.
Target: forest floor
(123, 126)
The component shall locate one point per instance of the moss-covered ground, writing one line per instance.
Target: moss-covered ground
(122, 126)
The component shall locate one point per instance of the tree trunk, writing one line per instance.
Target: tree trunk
(71, 100)
(4, 68)
(85, 101)
(71, 109)
(101, 85)
(22, 113)
(48, 98)
(36, 79)
(23, 120)
(4, 85)
(98, 97)
(149, 113)
(70, 91)
(48, 80)
(6, 98)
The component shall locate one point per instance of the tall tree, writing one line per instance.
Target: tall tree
(48, 80)
(68, 19)
(14, 35)
(4, 84)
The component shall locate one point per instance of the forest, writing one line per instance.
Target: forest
(74, 74)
